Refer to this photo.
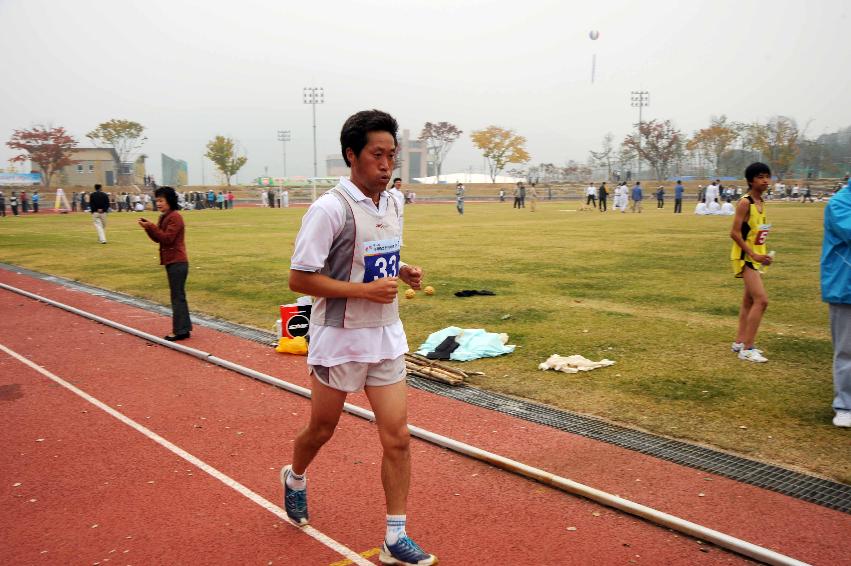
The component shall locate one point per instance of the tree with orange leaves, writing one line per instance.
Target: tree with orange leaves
(48, 147)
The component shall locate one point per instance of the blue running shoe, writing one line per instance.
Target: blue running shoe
(405, 553)
(295, 501)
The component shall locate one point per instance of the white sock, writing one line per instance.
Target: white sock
(295, 481)
(395, 528)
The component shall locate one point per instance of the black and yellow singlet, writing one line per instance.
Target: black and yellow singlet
(755, 233)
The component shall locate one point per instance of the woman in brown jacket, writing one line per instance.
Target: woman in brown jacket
(168, 232)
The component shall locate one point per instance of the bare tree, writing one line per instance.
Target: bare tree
(603, 158)
(439, 137)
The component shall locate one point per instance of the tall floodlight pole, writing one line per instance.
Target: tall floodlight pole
(640, 99)
(313, 96)
(284, 137)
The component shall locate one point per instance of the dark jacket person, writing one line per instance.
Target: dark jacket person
(169, 234)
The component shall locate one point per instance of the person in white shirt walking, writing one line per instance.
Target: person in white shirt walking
(347, 256)
(591, 195)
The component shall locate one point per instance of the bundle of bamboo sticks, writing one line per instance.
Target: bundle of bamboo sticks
(421, 366)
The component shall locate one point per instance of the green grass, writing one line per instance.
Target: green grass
(653, 292)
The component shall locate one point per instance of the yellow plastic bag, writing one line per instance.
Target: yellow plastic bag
(297, 345)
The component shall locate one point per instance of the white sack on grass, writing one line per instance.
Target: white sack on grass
(573, 364)
(701, 209)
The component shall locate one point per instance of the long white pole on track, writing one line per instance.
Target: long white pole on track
(657, 517)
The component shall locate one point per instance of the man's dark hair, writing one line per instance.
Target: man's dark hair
(355, 130)
(679, 182)
(397, 179)
(755, 169)
(170, 196)
(97, 187)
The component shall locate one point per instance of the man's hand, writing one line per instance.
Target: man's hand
(382, 290)
(411, 275)
(144, 223)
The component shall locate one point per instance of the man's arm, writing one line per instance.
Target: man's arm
(318, 285)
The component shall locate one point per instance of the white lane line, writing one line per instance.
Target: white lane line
(224, 478)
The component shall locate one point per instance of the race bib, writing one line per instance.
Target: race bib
(762, 234)
(380, 259)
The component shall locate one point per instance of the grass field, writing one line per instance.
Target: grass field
(653, 292)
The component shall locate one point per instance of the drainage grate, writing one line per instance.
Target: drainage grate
(816, 490)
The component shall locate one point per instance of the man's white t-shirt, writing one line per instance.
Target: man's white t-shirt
(591, 190)
(330, 346)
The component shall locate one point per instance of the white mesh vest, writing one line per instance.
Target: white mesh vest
(366, 248)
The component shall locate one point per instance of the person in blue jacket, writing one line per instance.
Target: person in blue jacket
(836, 291)
(637, 196)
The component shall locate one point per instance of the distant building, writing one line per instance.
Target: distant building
(412, 158)
(335, 166)
(175, 171)
(98, 165)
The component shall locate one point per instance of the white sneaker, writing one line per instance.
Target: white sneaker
(842, 418)
(752, 355)
(737, 347)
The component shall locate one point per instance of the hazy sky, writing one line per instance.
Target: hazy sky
(188, 70)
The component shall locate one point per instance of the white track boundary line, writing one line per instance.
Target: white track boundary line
(723, 540)
(195, 461)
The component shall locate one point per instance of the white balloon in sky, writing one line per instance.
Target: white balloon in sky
(594, 34)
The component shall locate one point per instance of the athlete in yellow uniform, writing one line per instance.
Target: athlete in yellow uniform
(748, 256)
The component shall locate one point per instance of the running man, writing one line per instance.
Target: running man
(347, 256)
(748, 255)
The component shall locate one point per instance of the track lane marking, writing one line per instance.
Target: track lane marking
(352, 556)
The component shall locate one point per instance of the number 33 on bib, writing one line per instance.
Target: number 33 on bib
(381, 259)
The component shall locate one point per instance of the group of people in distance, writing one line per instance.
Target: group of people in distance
(19, 203)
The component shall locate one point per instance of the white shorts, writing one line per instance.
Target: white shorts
(353, 376)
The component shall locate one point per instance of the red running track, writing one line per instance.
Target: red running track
(91, 489)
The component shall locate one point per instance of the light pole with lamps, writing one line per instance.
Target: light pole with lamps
(313, 96)
(640, 99)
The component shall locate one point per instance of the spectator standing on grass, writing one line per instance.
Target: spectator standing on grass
(99, 205)
(25, 202)
(169, 233)
(603, 196)
(522, 195)
(73, 202)
(127, 202)
(710, 193)
(230, 199)
(590, 198)
(637, 196)
(211, 198)
(808, 194)
(2, 205)
(13, 203)
(748, 256)
(37, 199)
(459, 198)
(356, 337)
(516, 196)
(395, 191)
(533, 196)
(836, 291)
(501, 195)
(660, 197)
(678, 197)
(220, 200)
